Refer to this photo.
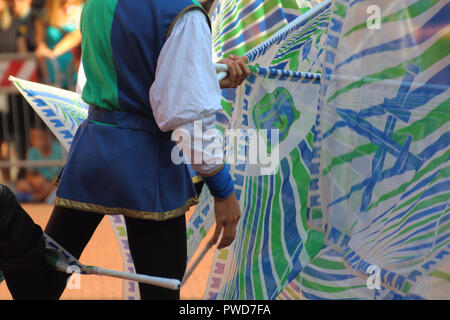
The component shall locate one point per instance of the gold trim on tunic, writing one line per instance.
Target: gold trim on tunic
(197, 179)
(147, 215)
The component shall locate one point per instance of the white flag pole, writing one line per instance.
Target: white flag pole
(196, 262)
(222, 71)
(173, 284)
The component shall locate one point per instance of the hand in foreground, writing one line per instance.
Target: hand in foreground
(238, 71)
(227, 213)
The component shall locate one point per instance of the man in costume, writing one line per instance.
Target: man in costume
(149, 72)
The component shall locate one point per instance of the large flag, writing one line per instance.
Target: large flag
(377, 194)
(383, 137)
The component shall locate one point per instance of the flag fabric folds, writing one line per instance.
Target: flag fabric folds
(366, 195)
(382, 140)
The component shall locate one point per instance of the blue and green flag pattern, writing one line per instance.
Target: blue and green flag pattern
(376, 181)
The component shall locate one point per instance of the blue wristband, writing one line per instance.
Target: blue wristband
(221, 185)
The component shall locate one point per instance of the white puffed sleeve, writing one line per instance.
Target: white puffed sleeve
(186, 89)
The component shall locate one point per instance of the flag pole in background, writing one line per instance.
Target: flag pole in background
(194, 265)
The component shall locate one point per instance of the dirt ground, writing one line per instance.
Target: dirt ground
(108, 256)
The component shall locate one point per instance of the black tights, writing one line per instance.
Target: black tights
(158, 249)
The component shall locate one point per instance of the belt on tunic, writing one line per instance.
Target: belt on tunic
(126, 120)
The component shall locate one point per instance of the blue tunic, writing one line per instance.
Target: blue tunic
(119, 161)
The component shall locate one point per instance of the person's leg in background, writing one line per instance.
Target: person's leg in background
(159, 249)
(72, 229)
(26, 272)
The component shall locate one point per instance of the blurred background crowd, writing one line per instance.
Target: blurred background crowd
(39, 41)
(50, 30)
